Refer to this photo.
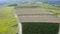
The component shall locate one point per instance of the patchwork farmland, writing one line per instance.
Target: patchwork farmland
(31, 18)
(24, 15)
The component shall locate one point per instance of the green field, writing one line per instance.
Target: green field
(7, 21)
(40, 28)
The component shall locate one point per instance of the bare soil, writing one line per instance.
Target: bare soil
(35, 18)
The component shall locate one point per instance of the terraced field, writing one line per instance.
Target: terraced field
(8, 21)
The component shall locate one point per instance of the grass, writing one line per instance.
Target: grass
(7, 20)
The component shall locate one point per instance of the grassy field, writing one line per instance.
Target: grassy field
(7, 21)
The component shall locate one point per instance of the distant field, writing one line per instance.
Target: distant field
(51, 8)
(7, 21)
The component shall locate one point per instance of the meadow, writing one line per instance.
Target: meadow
(7, 21)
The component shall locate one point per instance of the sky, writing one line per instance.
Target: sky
(2, 1)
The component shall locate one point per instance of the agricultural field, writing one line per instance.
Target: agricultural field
(40, 28)
(50, 7)
(8, 23)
